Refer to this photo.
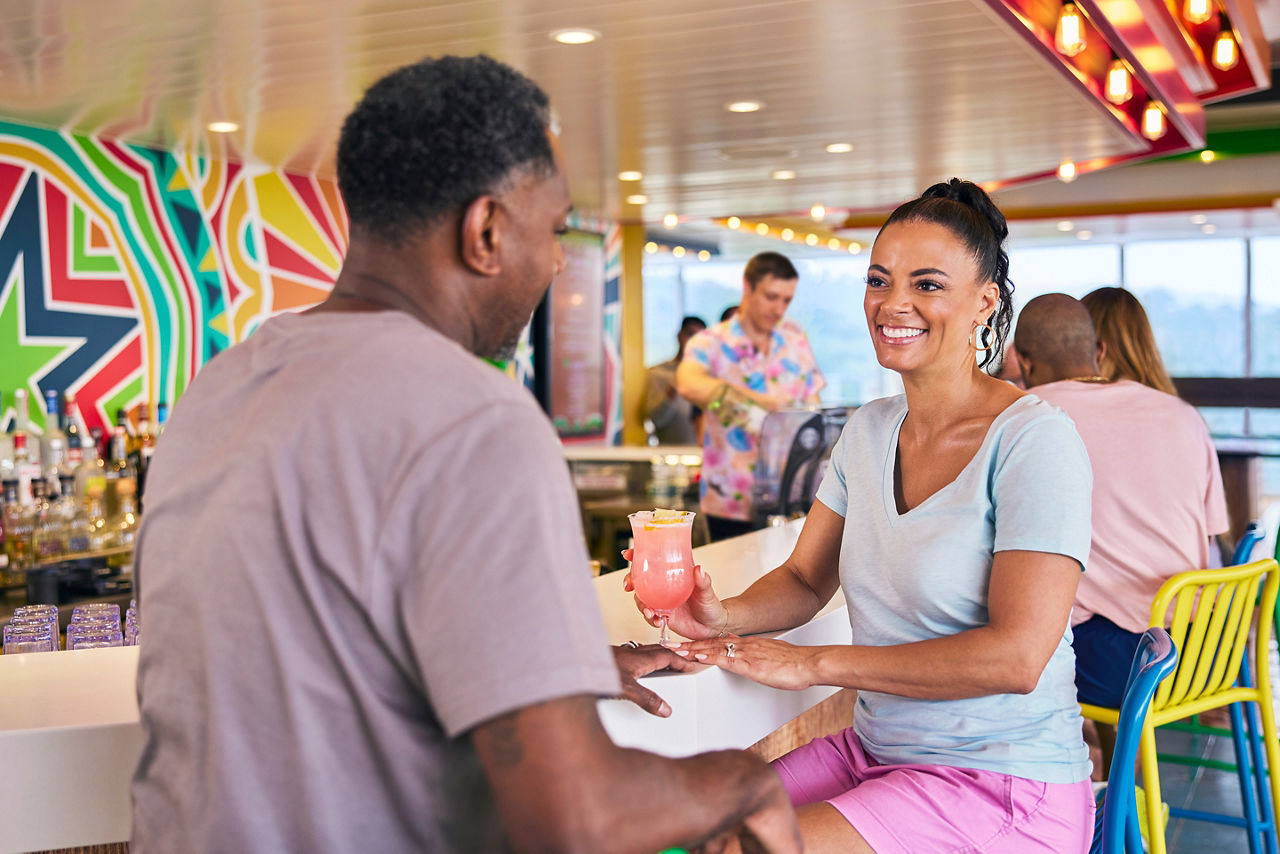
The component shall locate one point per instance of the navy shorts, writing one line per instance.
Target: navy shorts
(1104, 654)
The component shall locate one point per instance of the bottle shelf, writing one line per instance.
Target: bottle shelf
(115, 551)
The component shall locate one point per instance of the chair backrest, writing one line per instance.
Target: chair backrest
(1210, 613)
(1155, 659)
(1248, 540)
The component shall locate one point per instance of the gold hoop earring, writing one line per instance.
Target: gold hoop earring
(975, 338)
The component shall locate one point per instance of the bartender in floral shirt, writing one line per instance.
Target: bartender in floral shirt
(738, 371)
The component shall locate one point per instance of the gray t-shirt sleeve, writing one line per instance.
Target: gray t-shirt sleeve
(499, 609)
(833, 490)
(1042, 490)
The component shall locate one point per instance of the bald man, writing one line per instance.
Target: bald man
(1157, 490)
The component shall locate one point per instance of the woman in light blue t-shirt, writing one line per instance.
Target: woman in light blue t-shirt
(955, 518)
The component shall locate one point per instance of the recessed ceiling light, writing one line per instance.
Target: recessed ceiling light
(1066, 172)
(811, 239)
(833, 243)
(839, 148)
(1084, 234)
(1208, 155)
(678, 251)
(1199, 219)
(783, 175)
(1208, 228)
(704, 255)
(630, 175)
(671, 220)
(1066, 225)
(733, 222)
(762, 228)
(638, 199)
(744, 106)
(788, 233)
(818, 211)
(651, 247)
(574, 35)
(855, 247)
(223, 127)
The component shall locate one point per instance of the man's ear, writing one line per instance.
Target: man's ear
(480, 236)
(1102, 351)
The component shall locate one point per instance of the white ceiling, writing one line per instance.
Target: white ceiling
(924, 89)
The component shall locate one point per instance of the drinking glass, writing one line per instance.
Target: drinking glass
(29, 637)
(91, 635)
(662, 562)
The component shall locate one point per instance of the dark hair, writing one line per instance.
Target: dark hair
(691, 321)
(430, 137)
(769, 264)
(728, 313)
(967, 210)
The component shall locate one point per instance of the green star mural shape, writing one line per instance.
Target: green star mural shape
(24, 360)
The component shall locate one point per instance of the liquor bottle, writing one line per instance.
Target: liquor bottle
(77, 435)
(119, 471)
(122, 528)
(8, 496)
(26, 471)
(49, 536)
(6, 448)
(75, 516)
(96, 527)
(22, 423)
(92, 469)
(53, 442)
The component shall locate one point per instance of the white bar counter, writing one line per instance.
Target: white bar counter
(69, 727)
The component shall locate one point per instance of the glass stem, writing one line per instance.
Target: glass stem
(663, 640)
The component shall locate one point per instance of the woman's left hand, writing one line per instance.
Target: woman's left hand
(775, 663)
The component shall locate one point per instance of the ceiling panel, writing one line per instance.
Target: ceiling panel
(923, 89)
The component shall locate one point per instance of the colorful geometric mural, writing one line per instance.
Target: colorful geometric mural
(123, 269)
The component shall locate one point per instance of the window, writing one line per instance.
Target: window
(1194, 294)
(1265, 310)
(1072, 269)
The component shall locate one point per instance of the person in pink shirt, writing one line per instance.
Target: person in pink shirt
(738, 371)
(1157, 490)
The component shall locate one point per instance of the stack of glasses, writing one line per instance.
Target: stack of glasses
(131, 624)
(94, 625)
(33, 628)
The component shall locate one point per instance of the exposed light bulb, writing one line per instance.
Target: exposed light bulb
(1069, 34)
(1066, 172)
(1208, 155)
(1119, 83)
(818, 211)
(1153, 124)
(671, 220)
(733, 222)
(762, 228)
(1225, 51)
(788, 233)
(1197, 11)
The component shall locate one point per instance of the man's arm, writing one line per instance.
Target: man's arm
(562, 785)
(696, 384)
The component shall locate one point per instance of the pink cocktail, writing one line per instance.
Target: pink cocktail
(662, 563)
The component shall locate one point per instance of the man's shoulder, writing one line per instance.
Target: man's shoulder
(790, 328)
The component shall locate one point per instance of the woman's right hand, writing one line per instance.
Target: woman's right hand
(702, 616)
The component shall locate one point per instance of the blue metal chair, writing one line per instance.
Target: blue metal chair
(1115, 828)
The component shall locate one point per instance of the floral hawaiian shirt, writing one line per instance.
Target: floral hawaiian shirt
(730, 447)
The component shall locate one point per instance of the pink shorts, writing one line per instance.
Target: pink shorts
(914, 808)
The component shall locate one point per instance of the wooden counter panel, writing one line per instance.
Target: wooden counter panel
(830, 716)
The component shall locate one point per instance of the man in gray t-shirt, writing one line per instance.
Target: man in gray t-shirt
(369, 621)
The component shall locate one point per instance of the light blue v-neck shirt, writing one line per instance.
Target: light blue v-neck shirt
(925, 573)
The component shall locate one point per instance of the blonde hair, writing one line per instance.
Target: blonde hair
(1123, 327)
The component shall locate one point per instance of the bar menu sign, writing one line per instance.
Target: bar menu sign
(577, 337)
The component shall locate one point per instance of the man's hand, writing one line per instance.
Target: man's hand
(634, 662)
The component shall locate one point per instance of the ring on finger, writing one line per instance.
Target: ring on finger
(730, 650)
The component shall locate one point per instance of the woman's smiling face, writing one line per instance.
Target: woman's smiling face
(923, 297)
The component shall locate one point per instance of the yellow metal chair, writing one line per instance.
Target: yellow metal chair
(1211, 613)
